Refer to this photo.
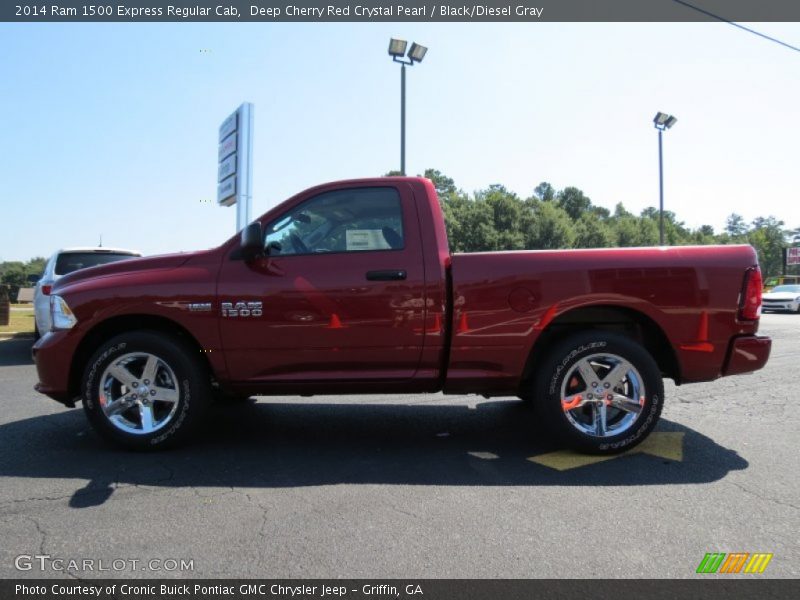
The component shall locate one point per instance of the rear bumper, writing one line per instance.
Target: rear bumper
(747, 353)
(52, 354)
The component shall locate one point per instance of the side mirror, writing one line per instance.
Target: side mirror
(252, 241)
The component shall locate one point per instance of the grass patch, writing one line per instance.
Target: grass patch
(21, 321)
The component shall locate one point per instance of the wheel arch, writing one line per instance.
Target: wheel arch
(107, 329)
(629, 322)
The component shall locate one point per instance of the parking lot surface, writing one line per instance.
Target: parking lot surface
(406, 486)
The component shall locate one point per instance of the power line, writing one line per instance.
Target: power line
(724, 20)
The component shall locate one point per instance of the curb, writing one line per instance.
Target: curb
(15, 335)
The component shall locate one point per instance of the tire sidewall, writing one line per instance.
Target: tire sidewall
(564, 357)
(192, 395)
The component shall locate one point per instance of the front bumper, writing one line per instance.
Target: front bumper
(53, 354)
(747, 353)
(787, 305)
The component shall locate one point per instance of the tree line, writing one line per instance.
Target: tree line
(498, 219)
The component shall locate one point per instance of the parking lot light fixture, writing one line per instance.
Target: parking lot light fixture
(417, 52)
(662, 122)
(397, 50)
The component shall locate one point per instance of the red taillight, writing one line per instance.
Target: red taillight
(750, 303)
(46, 289)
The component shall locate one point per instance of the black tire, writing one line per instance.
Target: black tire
(186, 378)
(562, 362)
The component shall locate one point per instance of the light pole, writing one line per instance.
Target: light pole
(662, 121)
(397, 50)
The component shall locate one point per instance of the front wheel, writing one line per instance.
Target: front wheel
(145, 390)
(599, 391)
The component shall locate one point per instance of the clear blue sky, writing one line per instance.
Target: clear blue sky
(111, 128)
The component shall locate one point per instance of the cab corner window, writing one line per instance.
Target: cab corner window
(353, 220)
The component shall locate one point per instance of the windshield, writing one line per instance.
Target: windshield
(72, 261)
(792, 289)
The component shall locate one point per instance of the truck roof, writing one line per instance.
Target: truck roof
(98, 249)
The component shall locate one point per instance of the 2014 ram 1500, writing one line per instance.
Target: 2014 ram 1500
(350, 287)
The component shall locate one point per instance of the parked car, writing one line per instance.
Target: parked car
(350, 287)
(783, 297)
(61, 263)
(775, 281)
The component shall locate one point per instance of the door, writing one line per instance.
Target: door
(341, 292)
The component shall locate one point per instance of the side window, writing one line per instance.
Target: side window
(354, 220)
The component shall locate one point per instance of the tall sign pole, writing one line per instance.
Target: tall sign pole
(235, 163)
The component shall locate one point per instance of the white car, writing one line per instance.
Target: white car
(66, 261)
(782, 297)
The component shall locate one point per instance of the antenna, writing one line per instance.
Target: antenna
(100, 245)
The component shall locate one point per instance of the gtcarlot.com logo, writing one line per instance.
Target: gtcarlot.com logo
(46, 562)
(736, 562)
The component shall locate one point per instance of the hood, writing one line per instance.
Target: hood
(164, 261)
(780, 295)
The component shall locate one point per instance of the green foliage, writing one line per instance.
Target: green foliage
(545, 192)
(767, 236)
(573, 201)
(592, 232)
(497, 219)
(16, 274)
(550, 229)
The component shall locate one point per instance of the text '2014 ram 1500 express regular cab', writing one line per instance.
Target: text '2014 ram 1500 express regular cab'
(350, 288)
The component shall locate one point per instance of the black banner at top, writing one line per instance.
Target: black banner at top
(143, 11)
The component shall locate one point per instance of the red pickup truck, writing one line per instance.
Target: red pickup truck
(350, 287)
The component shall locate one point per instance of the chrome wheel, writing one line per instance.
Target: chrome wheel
(602, 395)
(139, 393)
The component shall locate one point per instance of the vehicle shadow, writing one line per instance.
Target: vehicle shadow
(16, 351)
(271, 445)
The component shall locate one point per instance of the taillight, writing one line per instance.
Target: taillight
(750, 303)
(46, 289)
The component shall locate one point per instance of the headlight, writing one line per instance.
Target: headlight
(61, 313)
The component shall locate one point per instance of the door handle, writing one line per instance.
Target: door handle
(387, 275)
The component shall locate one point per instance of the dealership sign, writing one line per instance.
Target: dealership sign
(793, 256)
(234, 162)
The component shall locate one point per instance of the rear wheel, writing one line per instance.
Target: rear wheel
(145, 390)
(601, 392)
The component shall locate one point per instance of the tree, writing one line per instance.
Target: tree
(550, 228)
(767, 237)
(574, 202)
(619, 211)
(735, 226)
(16, 274)
(675, 232)
(591, 232)
(507, 212)
(445, 187)
(545, 192)
(633, 231)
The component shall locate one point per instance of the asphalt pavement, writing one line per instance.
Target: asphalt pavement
(404, 486)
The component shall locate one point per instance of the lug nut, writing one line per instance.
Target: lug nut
(147, 382)
(133, 396)
(606, 385)
(594, 384)
(589, 396)
(152, 392)
(135, 384)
